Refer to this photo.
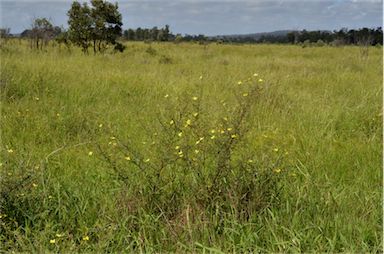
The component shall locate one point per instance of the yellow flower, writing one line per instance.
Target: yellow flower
(245, 94)
(277, 170)
(255, 74)
(34, 185)
(213, 131)
(233, 136)
(59, 235)
(250, 161)
(171, 122)
(275, 149)
(90, 153)
(222, 131)
(229, 129)
(195, 114)
(201, 77)
(113, 138)
(52, 241)
(198, 141)
(213, 137)
(127, 158)
(177, 147)
(10, 151)
(187, 123)
(166, 96)
(239, 83)
(57, 114)
(37, 98)
(179, 153)
(194, 98)
(180, 134)
(197, 151)
(100, 125)
(225, 119)
(261, 80)
(86, 238)
(147, 160)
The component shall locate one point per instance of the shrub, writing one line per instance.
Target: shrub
(197, 159)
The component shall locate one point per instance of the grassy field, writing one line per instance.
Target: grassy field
(191, 148)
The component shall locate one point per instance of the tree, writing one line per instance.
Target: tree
(98, 25)
(41, 33)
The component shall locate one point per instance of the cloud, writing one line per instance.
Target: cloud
(212, 16)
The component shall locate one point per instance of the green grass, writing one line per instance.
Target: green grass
(308, 152)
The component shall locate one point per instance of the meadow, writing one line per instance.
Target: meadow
(191, 148)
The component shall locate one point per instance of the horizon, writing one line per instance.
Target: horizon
(212, 18)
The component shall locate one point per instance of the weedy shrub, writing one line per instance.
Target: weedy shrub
(151, 51)
(195, 159)
(165, 59)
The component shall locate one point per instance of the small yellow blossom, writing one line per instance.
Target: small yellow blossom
(194, 98)
(100, 125)
(197, 151)
(9, 173)
(233, 136)
(240, 82)
(147, 160)
(229, 129)
(177, 147)
(198, 141)
(187, 123)
(10, 150)
(180, 134)
(195, 114)
(179, 153)
(275, 149)
(277, 170)
(59, 235)
(127, 158)
(86, 238)
(113, 138)
(34, 185)
(213, 137)
(90, 153)
(222, 131)
(1, 164)
(201, 77)
(171, 122)
(261, 80)
(52, 241)
(213, 131)
(57, 114)
(166, 96)
(225, 118)
(37, 98)
(245, 94)
(50, 197)
(255, 74)
(250, 161)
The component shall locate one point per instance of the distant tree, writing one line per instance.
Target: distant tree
(4, 35)
(98, 25)
(42, 31)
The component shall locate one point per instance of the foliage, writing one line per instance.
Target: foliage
(98, 25)
(312, 134)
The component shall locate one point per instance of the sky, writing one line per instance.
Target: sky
(211, 17)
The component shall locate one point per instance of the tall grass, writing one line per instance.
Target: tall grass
(163, 149)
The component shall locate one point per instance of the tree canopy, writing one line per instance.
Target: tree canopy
(97, 25)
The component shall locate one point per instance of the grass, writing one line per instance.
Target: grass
(302, 174)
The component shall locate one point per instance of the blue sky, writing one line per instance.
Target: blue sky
(212, 17)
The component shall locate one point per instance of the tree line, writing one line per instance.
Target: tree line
(98, 26)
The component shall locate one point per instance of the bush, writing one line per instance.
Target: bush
(196, 160)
